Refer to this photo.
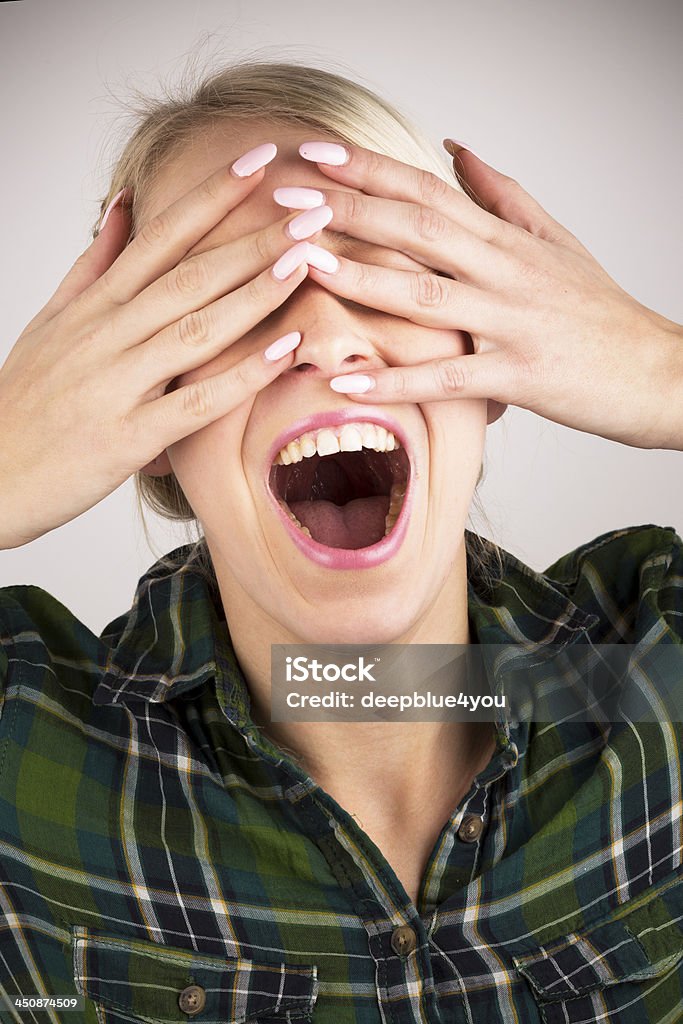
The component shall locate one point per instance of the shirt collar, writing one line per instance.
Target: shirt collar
(522, 613)
(175, 637)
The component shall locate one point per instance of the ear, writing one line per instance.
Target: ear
(494, 410)
(158, 467)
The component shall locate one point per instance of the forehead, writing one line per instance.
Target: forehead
(219, 146)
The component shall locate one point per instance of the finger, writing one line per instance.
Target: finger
(160, 423)
(505, 198)
(470, 376)
(91, 264)
(204, 334)
(420, 232)
(382, 176)
(164, 239)
(187, 289)
(424, 298)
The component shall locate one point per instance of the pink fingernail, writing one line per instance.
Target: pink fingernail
(324, 153)
(287, 343)
(290, 260)
(309, 222)
(254, 159)
(452, 146)
(298, 198)
(323, 259)
(115, 201)
(352, 384)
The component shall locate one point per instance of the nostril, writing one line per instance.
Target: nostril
(303, 367)
(353, 359)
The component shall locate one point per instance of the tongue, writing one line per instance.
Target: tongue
(358, 524)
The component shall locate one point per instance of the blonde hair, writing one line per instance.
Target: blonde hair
(282, 94)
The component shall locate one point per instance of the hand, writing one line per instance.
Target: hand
(551, 331)
(82, 393)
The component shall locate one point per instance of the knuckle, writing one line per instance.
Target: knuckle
(262, 246)
(429, 290)
(255, 290)
(529, 374)
(210, 188)
(241, 377)
(194, 329)
(187, 278)
(365, 282)
(197, 398)
(450, 377)
(355, 205)
(373, 162)
(126, 431)
(153, 232)
(535, 276)
(432, 188)
(399, 383)
(428, 224)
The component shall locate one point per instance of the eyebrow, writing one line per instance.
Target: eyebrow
(343, 241)
(344, 244)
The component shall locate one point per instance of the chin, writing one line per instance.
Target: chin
(364, 616)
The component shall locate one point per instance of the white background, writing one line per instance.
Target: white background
(580, 101)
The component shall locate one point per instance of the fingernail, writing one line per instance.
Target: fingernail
(323, 259)
(298, 198)
(352, 384)
(324, 153)
(115, 201)
(287, 343)
(254, 159)
(309, 222)
(453, 146)
(290, 260)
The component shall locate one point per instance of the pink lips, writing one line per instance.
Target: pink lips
(343, 558)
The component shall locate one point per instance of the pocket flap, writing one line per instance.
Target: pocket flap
(640, 940)
(146, 979)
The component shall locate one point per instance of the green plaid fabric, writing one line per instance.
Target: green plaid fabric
(161, 858)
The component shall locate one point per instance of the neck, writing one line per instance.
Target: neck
(380, 749)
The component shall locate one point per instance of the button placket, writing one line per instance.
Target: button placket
(471, 828)
(192, 1000)
(403, 940)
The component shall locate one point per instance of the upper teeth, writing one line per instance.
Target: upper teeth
(351, 437)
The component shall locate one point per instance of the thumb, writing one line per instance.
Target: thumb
(109, 243)
(504, 196)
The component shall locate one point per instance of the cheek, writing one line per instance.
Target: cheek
(208, 466)
(225, 360)
(406, 344)
(457, 431)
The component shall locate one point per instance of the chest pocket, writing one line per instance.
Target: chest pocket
(133, 980)
(626, 968)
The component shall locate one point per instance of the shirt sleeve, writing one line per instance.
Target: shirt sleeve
(669, 597)
(4, 665)
(5, 639)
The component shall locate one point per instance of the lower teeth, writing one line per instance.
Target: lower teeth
(390, 522)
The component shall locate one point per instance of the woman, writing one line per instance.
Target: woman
(314, 388)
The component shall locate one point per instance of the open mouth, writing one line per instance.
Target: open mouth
(343, 486)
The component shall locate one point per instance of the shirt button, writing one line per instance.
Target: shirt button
(471, 828)
(403, 940)
(192, 999)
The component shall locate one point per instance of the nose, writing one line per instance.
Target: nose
(334, 337)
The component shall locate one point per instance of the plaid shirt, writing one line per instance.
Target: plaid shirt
(161, 858)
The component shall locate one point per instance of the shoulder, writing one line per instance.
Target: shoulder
(43, 643)
(631, 578)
